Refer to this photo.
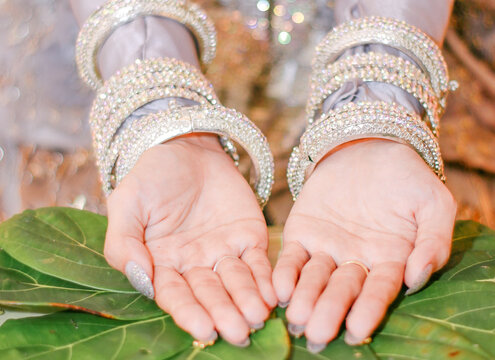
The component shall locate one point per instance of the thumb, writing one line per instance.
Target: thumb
(433, 241)
(124, 244)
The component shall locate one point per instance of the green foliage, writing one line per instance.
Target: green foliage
(54, 258)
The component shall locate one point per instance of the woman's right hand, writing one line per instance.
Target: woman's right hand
(181, 209)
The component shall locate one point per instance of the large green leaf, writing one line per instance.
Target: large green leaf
(21, 286)
(64, 243)
(70, 335)
(454, 317)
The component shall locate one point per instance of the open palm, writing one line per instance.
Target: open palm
(375, 202)
(181, 209)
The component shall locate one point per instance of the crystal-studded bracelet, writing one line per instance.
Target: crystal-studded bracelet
(141, 83)
(374, 67)
(356, 121)
(157, 128)
(115, 13)
(392, 33)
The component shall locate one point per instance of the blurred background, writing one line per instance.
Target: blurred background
(45, 152)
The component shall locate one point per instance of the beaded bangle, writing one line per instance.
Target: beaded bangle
(139, 84)
(374, 67)
(393, 33)
(115, 13)
(164, 126)
(361, 120)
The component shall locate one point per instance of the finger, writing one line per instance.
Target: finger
(124, 245)
(175, 297)
(258, 262)
(209, 291)
(433, 242)
(287, 269)
(239, 283)
(379, 290)
(331, 308)
(314, 277)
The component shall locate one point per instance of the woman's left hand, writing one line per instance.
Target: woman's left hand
(375, 202)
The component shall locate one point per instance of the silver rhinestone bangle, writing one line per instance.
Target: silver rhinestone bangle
(375, 67)
(115, 13)
(157, 128)
(139, 84)
(356, 121)
(393, 33)
(103, 136)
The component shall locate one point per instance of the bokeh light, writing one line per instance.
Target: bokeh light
(279, 10)
(298, 17)
(263, 5)
(284, 38)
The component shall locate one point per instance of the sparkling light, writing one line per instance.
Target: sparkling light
(284, 38)
(263, 5)
(279, 10)
(298, 17)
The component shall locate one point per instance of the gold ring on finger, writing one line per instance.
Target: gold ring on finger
(358, 263)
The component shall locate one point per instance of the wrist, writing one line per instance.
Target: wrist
(200, 141)
(370, 151)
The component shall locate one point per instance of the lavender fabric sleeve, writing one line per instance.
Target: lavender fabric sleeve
(431, 16)
(144, 37)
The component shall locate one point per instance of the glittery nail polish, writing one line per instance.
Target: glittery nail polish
(213, 336)
(421, 280)
(258, 326)
(244, 344)
(315, 348)
(351, 339)
(296, 330)
(139, 279)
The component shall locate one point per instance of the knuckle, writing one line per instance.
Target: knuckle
(377, 300)
(253, 305)
(183, 309)
(220, 308)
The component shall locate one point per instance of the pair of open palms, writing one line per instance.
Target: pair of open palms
(185, 206)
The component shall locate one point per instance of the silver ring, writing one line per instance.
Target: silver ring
(222, 259)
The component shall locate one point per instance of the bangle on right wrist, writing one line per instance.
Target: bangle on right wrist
(115, 13)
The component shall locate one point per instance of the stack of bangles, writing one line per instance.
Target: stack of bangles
(119, 142)
(425, 78)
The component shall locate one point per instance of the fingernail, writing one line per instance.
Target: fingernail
(213, 336)
(315, 348)
(421, 280)
(353, 340)
(296, 330)
(139, 279)
(283, 304)
(246, 343)
(258, 326)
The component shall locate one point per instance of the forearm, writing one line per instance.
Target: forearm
(143, 38)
